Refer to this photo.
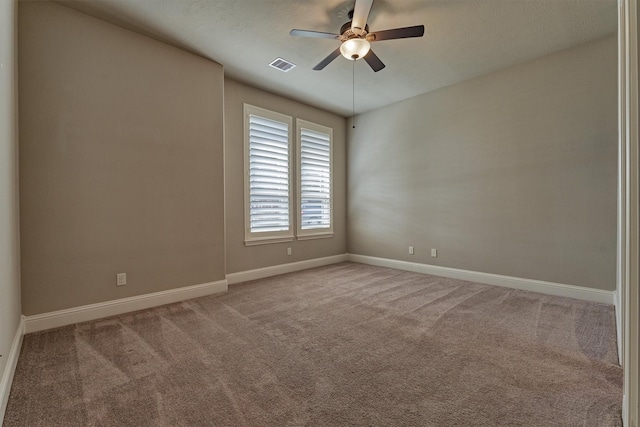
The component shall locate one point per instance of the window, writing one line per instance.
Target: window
(267, 176)
(315, 201)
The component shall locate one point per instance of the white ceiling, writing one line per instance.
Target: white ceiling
(463, 39)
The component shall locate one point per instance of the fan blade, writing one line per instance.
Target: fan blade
(316, 34)
(361, 14)
(373, 61)
(326, 61)
(396, 33)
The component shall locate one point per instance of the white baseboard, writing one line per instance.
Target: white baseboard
(55, 319)
(261, 273)
(10, 368)
(617, 298)
(549, 288)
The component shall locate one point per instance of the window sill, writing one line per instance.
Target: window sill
(267, 240)
(314, 236)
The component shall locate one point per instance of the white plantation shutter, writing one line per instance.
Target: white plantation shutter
(314, 178)
(268, 174)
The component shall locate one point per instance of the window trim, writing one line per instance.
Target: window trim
(261, 238)
(317, 233)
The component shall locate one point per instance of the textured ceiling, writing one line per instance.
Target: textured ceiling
(463, 39)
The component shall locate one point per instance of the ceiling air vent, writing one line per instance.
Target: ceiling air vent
(282, 64)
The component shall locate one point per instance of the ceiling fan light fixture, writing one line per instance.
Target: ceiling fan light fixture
(355, 48)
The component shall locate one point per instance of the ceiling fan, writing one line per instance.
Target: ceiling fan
(356, 38)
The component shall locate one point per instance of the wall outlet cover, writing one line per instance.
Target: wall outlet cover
(121, 279)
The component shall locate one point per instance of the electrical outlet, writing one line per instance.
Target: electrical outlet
(121, 279)
(410, 250)
(288, 251)
(434, 253)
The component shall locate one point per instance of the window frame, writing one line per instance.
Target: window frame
(266, 237)
(313, 233)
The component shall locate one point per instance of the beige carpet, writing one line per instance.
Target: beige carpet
(343, 345)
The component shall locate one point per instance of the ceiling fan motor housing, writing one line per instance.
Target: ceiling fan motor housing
(347, 33)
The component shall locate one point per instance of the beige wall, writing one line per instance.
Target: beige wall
(511, 173)
(9, 237)
(121, 166)
(239, 256)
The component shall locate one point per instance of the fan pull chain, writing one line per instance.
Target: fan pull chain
(353, 96)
